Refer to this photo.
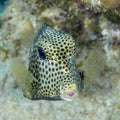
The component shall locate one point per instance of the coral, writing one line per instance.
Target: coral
(112, 48)
(110, 4)
(103, 5)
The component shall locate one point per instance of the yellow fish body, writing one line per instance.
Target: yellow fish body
(52, 63)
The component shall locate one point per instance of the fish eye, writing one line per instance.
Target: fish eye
(42, 54)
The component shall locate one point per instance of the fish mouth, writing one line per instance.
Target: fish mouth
(69, 96)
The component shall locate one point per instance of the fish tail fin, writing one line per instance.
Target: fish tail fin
(91, 67)
(26, 33)
(23, 77)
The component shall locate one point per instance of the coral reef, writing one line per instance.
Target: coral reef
(93, 24)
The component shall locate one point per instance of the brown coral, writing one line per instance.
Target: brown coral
(109, 4)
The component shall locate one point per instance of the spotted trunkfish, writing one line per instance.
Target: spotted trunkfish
(52, 73)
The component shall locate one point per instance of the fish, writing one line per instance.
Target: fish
(52, 73)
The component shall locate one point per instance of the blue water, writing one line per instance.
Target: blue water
(2, 7)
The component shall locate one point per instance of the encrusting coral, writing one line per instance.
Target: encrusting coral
(103, 5)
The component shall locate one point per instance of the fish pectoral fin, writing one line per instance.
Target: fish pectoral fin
(24, 78)
(31, 86)
(26, 33)
(91, 66)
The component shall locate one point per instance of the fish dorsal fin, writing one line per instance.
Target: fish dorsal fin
(27, 33)
(23, 77)
(91, 66)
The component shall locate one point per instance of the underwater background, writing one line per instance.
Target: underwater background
(94, 24)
